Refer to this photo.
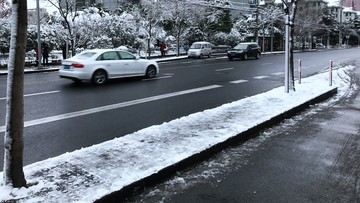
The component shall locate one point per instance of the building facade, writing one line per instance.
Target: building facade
(354, 4)
(32, 15)
(342, 13)
(108, 4)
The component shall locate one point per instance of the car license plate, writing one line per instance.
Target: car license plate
(66, 67)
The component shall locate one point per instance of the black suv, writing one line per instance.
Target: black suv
(245, 50)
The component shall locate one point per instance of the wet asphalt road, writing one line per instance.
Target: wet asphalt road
(313, 157)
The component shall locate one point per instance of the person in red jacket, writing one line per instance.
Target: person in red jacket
(45, 54)
(163, 49)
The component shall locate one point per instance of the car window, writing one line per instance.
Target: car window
(111, 55)
(241, 46)
(195, 46)
(85, 55)
(126, 55)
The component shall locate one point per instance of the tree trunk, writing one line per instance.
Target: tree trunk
(13, 141)
(292, 31)
(292, 68)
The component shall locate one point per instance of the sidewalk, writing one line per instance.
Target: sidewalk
(136, 159)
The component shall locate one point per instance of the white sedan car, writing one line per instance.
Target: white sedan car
(99, 65)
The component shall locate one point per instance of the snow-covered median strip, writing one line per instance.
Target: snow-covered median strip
(91, 173)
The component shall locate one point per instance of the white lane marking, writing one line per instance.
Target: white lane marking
(278, 73)
(157, 78)
(169, 74)
(266, 64)
(224, 69)
(36, 94)
(238, 81)
(261, 77)
(111, 107)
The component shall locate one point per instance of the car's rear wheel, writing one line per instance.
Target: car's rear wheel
(245, 57)
(150, 72)
(257, 55)
(99, 77)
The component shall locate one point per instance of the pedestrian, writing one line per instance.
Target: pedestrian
(36, 56)
(45, 54)
(63, 48)
(163, 49)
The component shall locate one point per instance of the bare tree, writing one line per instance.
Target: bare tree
(68, 11)
(5, 9)
(292, 31)
(13, 140)
(151, 14)
(308, 21)
(178, 16)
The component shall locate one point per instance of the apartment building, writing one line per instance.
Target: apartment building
(354, 4)
(32, 15)
(341, 12)
(109, 4)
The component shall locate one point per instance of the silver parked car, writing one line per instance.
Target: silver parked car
(99, 65)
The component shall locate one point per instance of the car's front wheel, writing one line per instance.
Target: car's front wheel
(99, 77)
(245, 57)
(257, 55)
(150, 72)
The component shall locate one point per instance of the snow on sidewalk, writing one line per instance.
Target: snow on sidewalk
(90, 173)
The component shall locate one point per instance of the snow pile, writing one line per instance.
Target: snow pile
(90, 173)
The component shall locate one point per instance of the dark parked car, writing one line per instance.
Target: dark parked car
(245, 50)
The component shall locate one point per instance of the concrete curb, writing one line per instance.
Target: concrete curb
(242, 137)
(36, 71)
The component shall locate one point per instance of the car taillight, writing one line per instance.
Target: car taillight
(77, 65)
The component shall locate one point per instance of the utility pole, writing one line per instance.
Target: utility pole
(38, 34)
(340, 23)
(256, 33)
(287, 46)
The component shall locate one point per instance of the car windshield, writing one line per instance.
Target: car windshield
(195, 46)
(85, 55)
(241, 46)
